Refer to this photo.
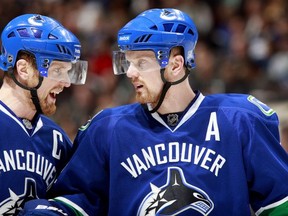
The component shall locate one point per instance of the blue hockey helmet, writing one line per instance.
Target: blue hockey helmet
(158, 30)
(47, 40)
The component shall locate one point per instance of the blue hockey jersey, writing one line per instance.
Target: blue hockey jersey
(223, 156)
(31, 157)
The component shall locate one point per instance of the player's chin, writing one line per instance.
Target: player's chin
(48, 109)
(144, 98)
(141, 99)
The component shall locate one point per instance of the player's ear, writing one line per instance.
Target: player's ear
(177, 64)
(22, 68)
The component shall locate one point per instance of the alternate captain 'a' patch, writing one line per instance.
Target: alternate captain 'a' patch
(175, 197)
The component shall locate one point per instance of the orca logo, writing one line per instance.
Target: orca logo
(36, 20)
(168, 15)
(175, 197)
(14, 204)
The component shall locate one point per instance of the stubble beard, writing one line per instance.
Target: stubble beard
(147, 97)
(47, 109)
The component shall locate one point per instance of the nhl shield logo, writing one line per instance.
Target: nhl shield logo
(172, 119)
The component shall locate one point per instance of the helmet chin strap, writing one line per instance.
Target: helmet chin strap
(33, 91)
(166, 86)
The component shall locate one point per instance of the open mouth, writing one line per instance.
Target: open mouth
(139, 86)
(53, 95)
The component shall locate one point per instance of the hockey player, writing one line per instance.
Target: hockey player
(176, 152)
(39, 58)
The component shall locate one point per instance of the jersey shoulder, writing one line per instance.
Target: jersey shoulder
(49, 124)
(124, 110)
(112, 115)
(240, 103)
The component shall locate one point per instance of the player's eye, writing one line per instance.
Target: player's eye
(142, 64)
(57, 72)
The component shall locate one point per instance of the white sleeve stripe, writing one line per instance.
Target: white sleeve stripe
(273, 205)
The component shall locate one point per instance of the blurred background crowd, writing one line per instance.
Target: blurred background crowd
(242, 47)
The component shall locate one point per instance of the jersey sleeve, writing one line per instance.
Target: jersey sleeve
(82, 184)
(41, 207)
(266, 162)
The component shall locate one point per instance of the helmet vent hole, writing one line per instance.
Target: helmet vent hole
(139, 39)
(36, 32)
(52, 37)
(148, 37)
(143, 38)
(12, 34)
(180, 28)
(168, 27)
(60, 48)
(154, 27)
(63, 49)
(23, 32)
(190, 32)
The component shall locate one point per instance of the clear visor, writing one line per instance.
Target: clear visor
(120, 63)
(140, 61)
(69, 72)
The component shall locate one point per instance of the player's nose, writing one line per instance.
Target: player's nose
(66, 84)
(65, 81)
(132, 72)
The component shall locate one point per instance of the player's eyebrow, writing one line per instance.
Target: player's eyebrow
(140, 54)
(60, 64)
